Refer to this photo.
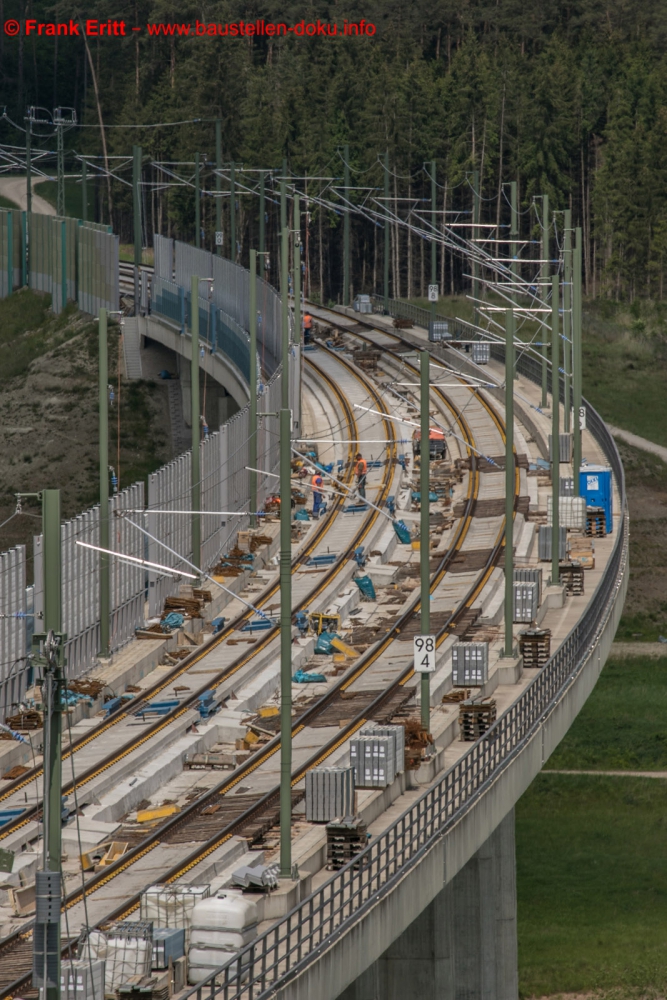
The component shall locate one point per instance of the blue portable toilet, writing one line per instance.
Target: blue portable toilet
(595, 486)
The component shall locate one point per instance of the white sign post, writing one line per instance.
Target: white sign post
(424, 654)
(582, 418)
(433, 293)
(219, 238)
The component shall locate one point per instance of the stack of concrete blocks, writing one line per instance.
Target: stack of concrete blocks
(329, 793)
(374, 760)
(470, 664)
(525, 601)
(397, 733)
(82, 979)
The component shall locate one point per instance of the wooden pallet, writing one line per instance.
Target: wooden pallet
(572, 575)
(345, 839)
(535, 647)
(475, 718)
(596, 522)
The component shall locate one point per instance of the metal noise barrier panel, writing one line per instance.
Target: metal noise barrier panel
(164, 257)
(230, 292)
(82, 979)
(73, 261)
(13, 631)
(329, 793)
(11, 251)
(98, 270)
(544, 543)
(374, 761)
(81, 585)
(522, 575)
(525, 601)
(168, 489)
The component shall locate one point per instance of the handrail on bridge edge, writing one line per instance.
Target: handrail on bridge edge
(297, 939)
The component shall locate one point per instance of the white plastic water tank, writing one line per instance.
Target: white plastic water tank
(223, 913)
(125, 958)
(221, 926)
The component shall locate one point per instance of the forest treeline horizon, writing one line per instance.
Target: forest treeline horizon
(567, 99)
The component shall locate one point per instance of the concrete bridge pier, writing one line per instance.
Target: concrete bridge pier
(463, 946)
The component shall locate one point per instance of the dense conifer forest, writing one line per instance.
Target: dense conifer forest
(567, 98)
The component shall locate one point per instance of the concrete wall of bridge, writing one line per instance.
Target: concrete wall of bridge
(219, 368)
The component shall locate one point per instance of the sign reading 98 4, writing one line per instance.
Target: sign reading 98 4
(424, 653)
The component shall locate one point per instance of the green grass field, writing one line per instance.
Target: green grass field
(592, 885)
(6, 203)
(623, 725)
(591, 861)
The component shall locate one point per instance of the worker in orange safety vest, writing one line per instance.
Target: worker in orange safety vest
(361, 469)
(307, 328)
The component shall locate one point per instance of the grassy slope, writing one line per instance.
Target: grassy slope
(592, 885)
(625, 370)
(645, 613)
(73, 197)
(591, 864)
(48, 411)
(623, 723)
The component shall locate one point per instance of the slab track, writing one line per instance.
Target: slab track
(15, 951)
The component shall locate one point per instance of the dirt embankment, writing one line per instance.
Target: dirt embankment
(49, 418)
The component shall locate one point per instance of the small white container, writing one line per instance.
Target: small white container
(221, 926)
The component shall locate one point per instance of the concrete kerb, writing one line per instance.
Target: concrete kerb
(349, 952)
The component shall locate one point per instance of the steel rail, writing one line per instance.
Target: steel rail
(272, 747)
(299, 939)
(152, 840)
(187, 662)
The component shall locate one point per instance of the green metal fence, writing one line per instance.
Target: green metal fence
(458, 328)
(11, 250)
(73, 261)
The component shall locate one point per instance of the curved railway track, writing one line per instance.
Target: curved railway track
(7, 947)
(188, 662)
(15, 944)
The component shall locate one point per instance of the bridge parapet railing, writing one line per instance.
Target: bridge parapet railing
(295, 940)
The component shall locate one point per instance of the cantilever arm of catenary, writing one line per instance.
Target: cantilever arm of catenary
(165, 570)
(216, 513)
(441, 427)
(231, 593)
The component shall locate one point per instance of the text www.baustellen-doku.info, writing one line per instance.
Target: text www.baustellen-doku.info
(93, 28)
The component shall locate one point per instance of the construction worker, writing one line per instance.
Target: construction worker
(318, 500)
(361, 469)
(307, 328)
